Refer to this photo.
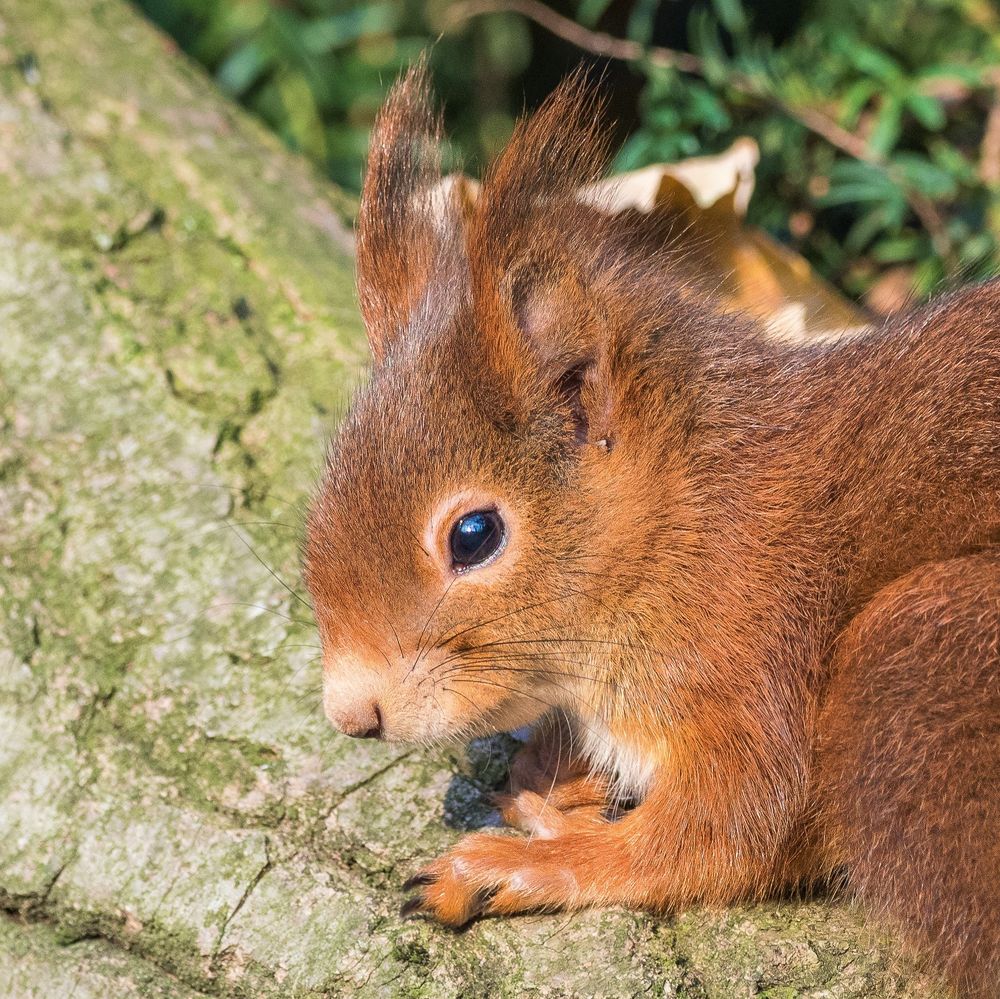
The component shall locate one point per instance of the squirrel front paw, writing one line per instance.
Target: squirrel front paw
(558, 813)
(487, 874)
(542, 771)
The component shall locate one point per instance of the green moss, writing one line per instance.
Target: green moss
(411, 952)
(234, 775)
(39, 963)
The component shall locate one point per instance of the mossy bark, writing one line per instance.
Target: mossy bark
(177, 335)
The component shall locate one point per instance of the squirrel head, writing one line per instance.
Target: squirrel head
(472, 501)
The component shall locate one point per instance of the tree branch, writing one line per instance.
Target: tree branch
(596, 42)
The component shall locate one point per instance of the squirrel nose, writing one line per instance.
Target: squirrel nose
(361, 721)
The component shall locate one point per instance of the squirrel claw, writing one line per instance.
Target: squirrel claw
(483, 875)
(422, 904)
(419, 879)
(413, 906)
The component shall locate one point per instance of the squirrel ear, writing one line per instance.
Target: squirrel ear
(534, 248)
(550, 307)
(557, 320)
(406, 223)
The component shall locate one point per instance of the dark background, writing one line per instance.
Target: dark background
(877, 120)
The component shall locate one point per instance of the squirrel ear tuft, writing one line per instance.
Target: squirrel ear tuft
(534, 246)
(531, 235)
(406, 222)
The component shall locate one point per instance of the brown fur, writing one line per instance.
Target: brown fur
(752, 585)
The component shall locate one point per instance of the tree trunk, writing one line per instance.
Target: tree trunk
(177, 335)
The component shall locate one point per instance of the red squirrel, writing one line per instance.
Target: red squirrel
(747, 592)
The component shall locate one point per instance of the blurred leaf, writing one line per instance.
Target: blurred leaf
(303, 125)
(340, 30)
(876, 220)
(854, 101)
(928, 276)
(888, 126)
(507, 41)
(591, 11)
(971, 76)
(979, 248)
(929, 111)
(708, 107)
(245, 66)
(705, 41)
(731, 15)
(640, 22)
(874, 63)
(852, 180)
(925, 177)
(952, 161)
(899, 249)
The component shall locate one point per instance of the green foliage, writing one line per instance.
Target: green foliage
(870, 114)
(910, 83)
(317, 70)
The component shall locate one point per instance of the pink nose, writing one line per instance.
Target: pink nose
(361, 720)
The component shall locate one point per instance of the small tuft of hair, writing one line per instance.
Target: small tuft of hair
(397, 236)
(551, 154)
(533, 245)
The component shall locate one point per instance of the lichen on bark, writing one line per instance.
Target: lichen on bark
(177, 335)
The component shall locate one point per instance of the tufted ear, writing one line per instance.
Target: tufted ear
(537, 253)
(406, 228)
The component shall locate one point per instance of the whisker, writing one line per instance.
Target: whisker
(548, 676)
(238, 493)
(250, 548)
(420, 641)
(498, 666)
(503, 686)
(395, 634)
(501, 643)
(523, 693)
(464, 697)
(555, 774)
(228, 523)
(269, 610)
(518, 610)
(540, 656)
(556, 640)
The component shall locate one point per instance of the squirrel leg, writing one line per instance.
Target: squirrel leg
(907, 772)
(678, 845)
(644, 860)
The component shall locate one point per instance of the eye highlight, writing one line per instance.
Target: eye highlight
(476, 539)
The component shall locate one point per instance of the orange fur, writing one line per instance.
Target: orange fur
(736, 571)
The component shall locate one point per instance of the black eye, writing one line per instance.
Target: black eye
(476, 538)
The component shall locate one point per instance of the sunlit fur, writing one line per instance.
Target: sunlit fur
(758, 580)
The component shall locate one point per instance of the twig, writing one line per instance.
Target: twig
(812, 119)
(600, 43)
(597, 42)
